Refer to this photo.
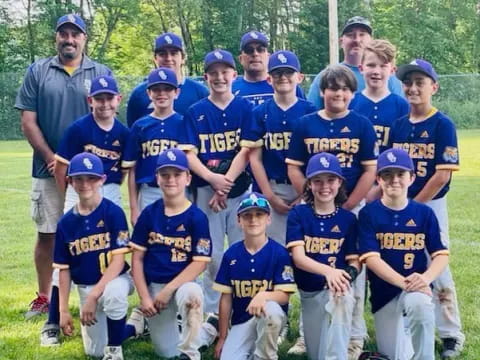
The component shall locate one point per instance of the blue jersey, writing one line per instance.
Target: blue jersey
(394, 85)
(85, 244)
(432, 145)
(351, 138)
(257, 92)
(402, 239)
(272, 128)
(150, 136)
(381, 113)
(85, 135)
(327, 239)
(213, 133)
(170, 243)
(140, 105)
(244, 275)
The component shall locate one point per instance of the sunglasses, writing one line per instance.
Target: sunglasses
(249, 50)
(277, 74)
(260, 202)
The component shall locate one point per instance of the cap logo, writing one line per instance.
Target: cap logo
(282, 58)
(103, 82)
(253, 197)
(88, 164)
(253, 35)
(414, 62)
(168, 39)
(71, 18)
(324, 161)
(218, 55)
(391, 157)
(162, 75)
(171, 156)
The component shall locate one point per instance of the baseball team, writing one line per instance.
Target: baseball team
(243, 194)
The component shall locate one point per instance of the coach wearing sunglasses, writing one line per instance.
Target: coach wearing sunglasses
(253, 85)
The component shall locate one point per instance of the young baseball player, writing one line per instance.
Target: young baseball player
(351, 137)
(400, 243)
(90, 246)
(255, 279)
(213, 126)
(322, 238)
(150, 136)
(168, 52)
(430, 138)
(172, 247)
(99, 133)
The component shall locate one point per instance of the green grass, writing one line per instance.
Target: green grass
(19, 339)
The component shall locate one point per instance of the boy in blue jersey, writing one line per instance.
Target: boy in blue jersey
(400, 243)
(172, 247)
(99, 133)
(430, 138)
(351, 137)
(90, 247)
(150, 136)
(213, 127)
(255, 280)
(170, 53)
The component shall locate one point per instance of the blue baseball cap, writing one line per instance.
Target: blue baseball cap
(219, 56)
(394, 159)
(417, 65)
(162, 75)
(283, 59)
(85, 164)
(172, 158)
(323, 163)
(72, 19)
(168, 39)
(104, 84)
(253, 36)
(253, 200)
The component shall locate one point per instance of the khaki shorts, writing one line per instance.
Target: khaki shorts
(47, 205)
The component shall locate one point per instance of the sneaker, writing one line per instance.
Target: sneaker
(299, 348)
(283, 334)
(50, 335)
(355, 349)
(137, 320)
(113, 353)
(37, 307)
(451, 348)
(183, 356)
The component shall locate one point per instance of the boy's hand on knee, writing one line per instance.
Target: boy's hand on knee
(257, 305)
(338, 281)
(66, 323)
(148, 307)
(87, 315)
(163, 298)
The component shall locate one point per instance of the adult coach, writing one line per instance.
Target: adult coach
(356, 34)
(253, 85)
(168, 52)
(53, 94)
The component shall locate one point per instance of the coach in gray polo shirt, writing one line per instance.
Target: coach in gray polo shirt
(53, 94)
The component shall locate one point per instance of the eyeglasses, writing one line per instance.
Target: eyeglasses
(277, 74)
(249, 50)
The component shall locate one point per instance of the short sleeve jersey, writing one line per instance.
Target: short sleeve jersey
(214, 133)
(381, 113)
(272, 129)
(402, 238)
(327, 239)
(432, 145)
(57, 98)
(243, 275)
(257, 92)
(351, 138)
(140, 105)
(170, 243)
(85, 244)
(85, 135)
(148, 137)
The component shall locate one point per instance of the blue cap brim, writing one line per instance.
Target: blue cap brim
(74, 24)
(283, 67)
(394, 167)
(179, 167)
(104, 92)
(161, 82)
(404, 70)
(325, 172)
(219, 61)
(241, 211)
(78, 173)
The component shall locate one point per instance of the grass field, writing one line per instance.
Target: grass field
(19, 339)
